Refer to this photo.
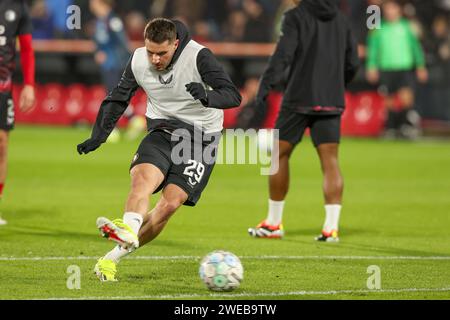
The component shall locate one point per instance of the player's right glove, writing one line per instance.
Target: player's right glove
(88, 146)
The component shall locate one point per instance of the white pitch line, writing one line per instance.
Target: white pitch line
(259, 294)
(263, 257)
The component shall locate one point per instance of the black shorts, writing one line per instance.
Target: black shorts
(6, 111)
(324, 128)
(190, 172)
(392, 81)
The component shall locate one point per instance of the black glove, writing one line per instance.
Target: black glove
(88, 146)
(198, 92)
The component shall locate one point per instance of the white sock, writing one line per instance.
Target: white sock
(332, 211)
(116, 254)
(134, 220)
(275, 215)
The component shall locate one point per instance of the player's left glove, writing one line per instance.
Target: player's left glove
(198, 92)
(88, 146)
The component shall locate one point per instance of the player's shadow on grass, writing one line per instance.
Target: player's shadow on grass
(18, 215)
(348, 242)
(178, 244)
(48, 232)
(387, 250)
(347, 231)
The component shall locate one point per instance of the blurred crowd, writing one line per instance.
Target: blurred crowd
(219, 20)
(430, 19)
(260, 21)
(238, 20)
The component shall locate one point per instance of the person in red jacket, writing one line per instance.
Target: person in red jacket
(15, 22)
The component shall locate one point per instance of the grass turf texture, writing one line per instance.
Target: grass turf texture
(396, 204)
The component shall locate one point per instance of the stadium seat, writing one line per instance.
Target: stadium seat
(93, 98)
(364, 115)
(139, 102)
(53, 105)
(75, 103)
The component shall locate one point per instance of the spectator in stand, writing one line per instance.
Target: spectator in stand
(201, 31)
(112, 51)
(41, 20)
(256, 29)
(190, 10)
(234, 31)
(284, 6)
(111, 42)
(394, 55)
(235, 27)
(143, 7)
(270, 6)
(57, 10)
(437, 46)
(216, 13)
(441, 39)
(134, 24)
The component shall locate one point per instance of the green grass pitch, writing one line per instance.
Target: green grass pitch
(396, 216)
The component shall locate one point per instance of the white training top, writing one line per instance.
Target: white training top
(167, 97)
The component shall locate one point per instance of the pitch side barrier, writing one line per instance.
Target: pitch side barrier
(224, 49)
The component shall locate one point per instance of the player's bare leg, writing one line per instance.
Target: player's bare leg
(278, 189)
(145, 178)
(171, 199)
(3, 164)
(333, 187)
(279, 182)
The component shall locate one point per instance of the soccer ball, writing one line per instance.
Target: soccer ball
(221, 271)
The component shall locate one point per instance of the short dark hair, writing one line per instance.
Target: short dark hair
(159, 30)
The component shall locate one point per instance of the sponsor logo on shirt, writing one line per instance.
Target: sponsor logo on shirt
(167, 81)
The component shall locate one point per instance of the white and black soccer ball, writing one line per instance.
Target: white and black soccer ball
(221, 271)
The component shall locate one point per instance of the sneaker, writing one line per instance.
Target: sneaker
(119, 232)
(264, 230)
(3, 222)
(105, 270)
(328, 236)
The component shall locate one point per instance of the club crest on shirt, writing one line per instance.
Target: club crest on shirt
(162, 81)
(10, 15)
